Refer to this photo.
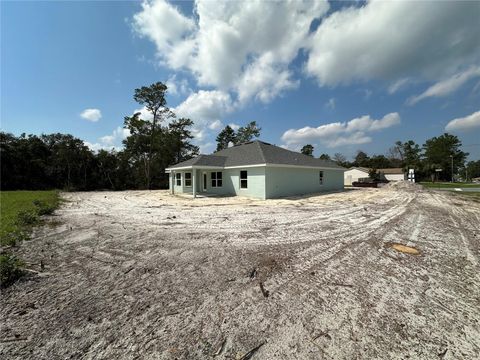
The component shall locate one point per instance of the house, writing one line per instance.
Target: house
(355, 173)
(255, 169)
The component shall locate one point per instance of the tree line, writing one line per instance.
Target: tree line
(62, 161)
(438, 153)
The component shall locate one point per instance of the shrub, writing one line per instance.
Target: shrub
(27, 217)
(10, 269)
(43, 208)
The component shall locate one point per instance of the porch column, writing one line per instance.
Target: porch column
(172, 182)
(194, 183)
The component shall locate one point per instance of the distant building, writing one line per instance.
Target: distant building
(356, 173)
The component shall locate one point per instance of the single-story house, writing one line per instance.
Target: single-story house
(355, 173)
(255, 169)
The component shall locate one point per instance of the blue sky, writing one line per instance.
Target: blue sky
(341, 76)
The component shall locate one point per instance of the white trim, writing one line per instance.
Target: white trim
(240, 180)
(245, 166)
(181, 178)
(216, 179)
(304, 167)
(191, 178)
(204, 181)
(255, 165)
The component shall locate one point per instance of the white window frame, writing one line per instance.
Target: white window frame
(321, 177)
(240, 179)
(178, 179)
(186, 183)
(214, 181)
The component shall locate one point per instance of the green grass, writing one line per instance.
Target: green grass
(19, 210)
(447, 185)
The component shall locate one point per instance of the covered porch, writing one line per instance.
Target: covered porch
(196, 181)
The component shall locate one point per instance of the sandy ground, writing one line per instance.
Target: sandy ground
(143, 274)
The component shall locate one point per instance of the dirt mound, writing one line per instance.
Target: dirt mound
(403, 185)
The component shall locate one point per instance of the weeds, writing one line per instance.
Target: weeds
(10, 269)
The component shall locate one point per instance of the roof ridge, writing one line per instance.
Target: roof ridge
(261, 151)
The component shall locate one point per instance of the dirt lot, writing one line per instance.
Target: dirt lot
(146, 275)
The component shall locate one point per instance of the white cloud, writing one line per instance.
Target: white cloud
(392, 40)
(144, 113)
(112, 141)
(177, 87)
(465, 123)
(398, 85)
(336, 134)
(330, 104)
(205, 109)
(447, 86)
(233, 46)
(92, 115)
(216, 125)
(234, 126)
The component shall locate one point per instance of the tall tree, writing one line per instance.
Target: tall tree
(226, 136)
(179, 137)
(307, 150)
(324, 157)
(341, 160)
(247, 133)
(153, 98)
(362, 159)
(445, 151)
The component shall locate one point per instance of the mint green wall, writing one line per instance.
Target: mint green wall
(297, 181)
(231, 183)
(266, 182)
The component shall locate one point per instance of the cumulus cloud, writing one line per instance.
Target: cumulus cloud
(447, 86)
(206, 109)
(466, 123)
(393, 40)
(233, 46)
(353, 132)
(234, 126)
(92, 115)
(111, 141)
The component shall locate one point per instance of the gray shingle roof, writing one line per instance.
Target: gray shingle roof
(254, 153)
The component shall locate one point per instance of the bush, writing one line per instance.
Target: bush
(27, 217)
(43, 208)
(10, 270)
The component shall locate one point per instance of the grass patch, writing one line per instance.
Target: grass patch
(20, 210)
(448, 185)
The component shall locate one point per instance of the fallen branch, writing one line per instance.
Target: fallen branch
(264, 292)
(249, 354)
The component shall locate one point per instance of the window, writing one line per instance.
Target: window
(178, 177)
(321, 178)
(188, 179)
(243, 179)
(216, 179)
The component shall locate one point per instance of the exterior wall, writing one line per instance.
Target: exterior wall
(353, 175)
(230, 182)
(394, 177)
(284, 181)
(182, 188)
